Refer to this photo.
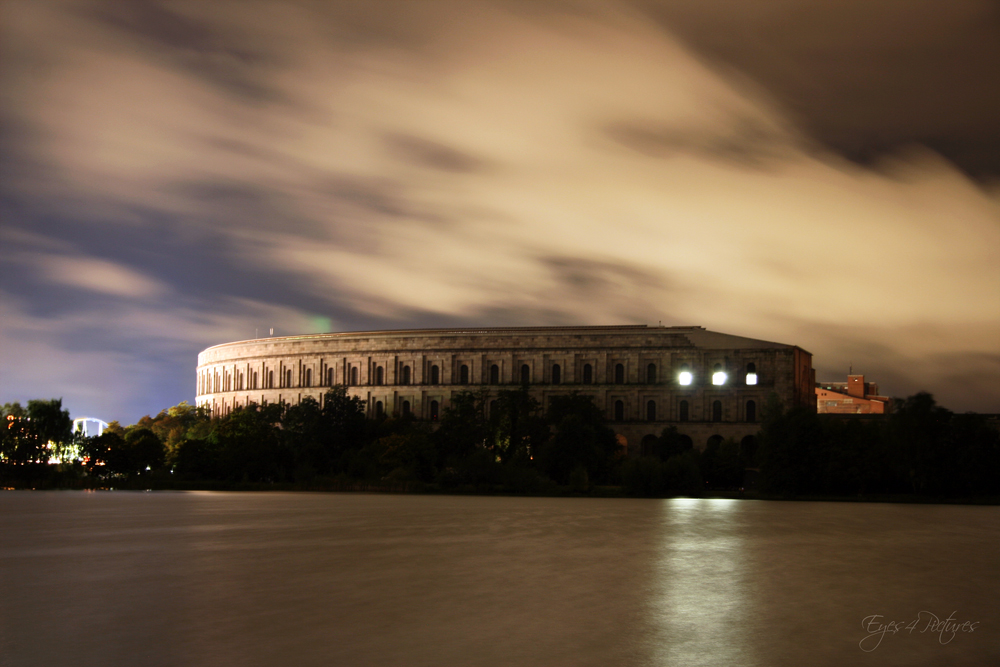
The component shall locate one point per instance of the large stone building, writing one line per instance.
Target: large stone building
(707, 384)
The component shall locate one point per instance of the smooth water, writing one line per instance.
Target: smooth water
(354, 579)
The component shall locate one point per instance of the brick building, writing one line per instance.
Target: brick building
(854, 397)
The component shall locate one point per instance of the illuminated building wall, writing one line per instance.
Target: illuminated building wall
(852, 397)
(707, 384)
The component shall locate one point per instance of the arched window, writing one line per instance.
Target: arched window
(288, 378)
(434, 410)
(651, 411)
(406, 408)
(684, 415)
(270, 379)
(525, 374)
(619, 411)
(556, 374)
(619, 374)
(493, 407)
(717, 411)
(379, 375)
(435, 375)
(718, 375)
(329, 377)
(751, 411)
(406, 375)
(378, 409)
(494, 374)
(651, 374)
(685, 377)
(255, 377)
(751, 373)
(309, 377)
(588, 374)
(463, 374)
(355, 380)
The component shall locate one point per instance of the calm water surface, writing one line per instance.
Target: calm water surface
(352, 579)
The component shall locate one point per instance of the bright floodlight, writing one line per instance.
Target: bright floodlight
(751, 378)
(718, 377)
(685, 378)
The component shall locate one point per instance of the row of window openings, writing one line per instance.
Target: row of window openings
(684, 378)
(684, 410)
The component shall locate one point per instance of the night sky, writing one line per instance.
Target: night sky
(174, 175)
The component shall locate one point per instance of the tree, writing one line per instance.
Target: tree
(581, 438)
(516, 426)
(146, 452)
(463, 427)
(33, 433)
(250, 445)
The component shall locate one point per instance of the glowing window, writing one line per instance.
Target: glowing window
(751, 374)
(718, 375)
(685, 378)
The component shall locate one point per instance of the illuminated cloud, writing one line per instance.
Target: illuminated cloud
(210, 172)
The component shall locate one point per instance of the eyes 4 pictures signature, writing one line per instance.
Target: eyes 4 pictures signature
(925, 622)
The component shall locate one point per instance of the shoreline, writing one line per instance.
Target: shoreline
(421, 488)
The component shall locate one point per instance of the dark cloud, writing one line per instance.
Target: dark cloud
(198, 43)
(594, 276)
(747, 143)
(864, 78)
(177, 175)
(433, 154)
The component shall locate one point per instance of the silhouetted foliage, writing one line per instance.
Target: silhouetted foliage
(580, 438)
(501, 440)
(34, 433)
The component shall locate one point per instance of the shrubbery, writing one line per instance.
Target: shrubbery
(920, 449)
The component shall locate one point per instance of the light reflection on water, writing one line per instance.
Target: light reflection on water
(701, 586)
(354, 579)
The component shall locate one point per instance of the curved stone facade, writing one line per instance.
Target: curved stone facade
(635, 373)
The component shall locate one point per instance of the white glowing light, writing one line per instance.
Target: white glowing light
(751, 378)
(718, 377)
(685, 378)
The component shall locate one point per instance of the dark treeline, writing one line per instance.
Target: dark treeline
(504, 442)
(920, 449)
